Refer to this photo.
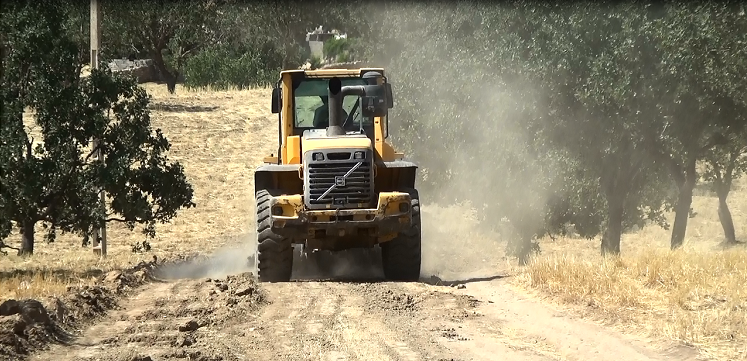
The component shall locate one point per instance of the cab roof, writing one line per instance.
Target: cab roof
(328, 73)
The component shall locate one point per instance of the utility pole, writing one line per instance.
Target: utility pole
(99, 230)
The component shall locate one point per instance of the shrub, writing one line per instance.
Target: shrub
(221, 67)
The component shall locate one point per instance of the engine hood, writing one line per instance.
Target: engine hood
(318, 139)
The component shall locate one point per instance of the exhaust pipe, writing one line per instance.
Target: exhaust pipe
(336, 94)
(335, 107)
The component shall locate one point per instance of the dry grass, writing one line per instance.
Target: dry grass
(219, 137)
(696, 295)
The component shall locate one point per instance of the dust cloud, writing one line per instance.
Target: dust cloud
(454, 247)
(361, 264)
(235, 258)
(239, 256)
(482, 185)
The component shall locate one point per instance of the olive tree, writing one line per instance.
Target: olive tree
(54, 180)
(701, 94)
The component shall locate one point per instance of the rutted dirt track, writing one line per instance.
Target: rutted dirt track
(233, 318)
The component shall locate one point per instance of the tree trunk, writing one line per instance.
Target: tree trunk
(171, 82)
(520, 245)
(682, 209)
(682, 214)
(167, 75)
(615, 182)
(724, 216)
(525, 250)
(27, 238)
(613, 234)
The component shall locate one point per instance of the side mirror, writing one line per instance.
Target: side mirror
(373, 106)
(275, 100)
(374, 103)
(389, 96)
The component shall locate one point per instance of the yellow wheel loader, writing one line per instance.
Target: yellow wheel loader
(335, 184)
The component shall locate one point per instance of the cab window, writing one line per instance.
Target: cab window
(310, 108)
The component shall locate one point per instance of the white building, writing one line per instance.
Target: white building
(317, 38)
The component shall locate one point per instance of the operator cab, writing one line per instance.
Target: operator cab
(311, 107)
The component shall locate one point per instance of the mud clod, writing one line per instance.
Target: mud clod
(452, 334)
(185, 341)
(191, 325)
(246, 291)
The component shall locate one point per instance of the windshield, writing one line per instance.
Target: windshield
(311, 111)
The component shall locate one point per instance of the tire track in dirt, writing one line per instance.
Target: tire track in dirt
(336, 325)
(181, 319)
(526, 324)
(479, 336)
(375, 321)
(233, 318)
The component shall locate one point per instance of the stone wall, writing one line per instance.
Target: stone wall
(143, 69)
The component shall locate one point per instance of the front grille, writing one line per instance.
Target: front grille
(356, 188)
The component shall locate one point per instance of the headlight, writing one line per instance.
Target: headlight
(317, 156)
(359, 155)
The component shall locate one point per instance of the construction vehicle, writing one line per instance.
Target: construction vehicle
(335, 184)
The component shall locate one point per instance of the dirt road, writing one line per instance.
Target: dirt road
(233, 318)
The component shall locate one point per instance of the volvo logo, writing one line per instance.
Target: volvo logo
(339, 181)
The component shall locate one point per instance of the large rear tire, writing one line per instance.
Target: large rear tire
(274, 252)
(400, 257)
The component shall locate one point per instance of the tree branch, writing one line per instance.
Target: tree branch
(91, 153)
(635, 170)
(5, 245)
(122, 220)
(656, 150)
(730, 167)
(716, 139)
(29, 145)
(50, 197)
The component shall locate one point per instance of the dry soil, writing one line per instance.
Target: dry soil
(233, 318)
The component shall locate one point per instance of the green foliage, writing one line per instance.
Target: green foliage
(315, 62)
(701, 49)
(168, 32)
(237, 43)
(221, 67)
(726, 163)
(340, 50)
(54, 180)
(285, 24)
